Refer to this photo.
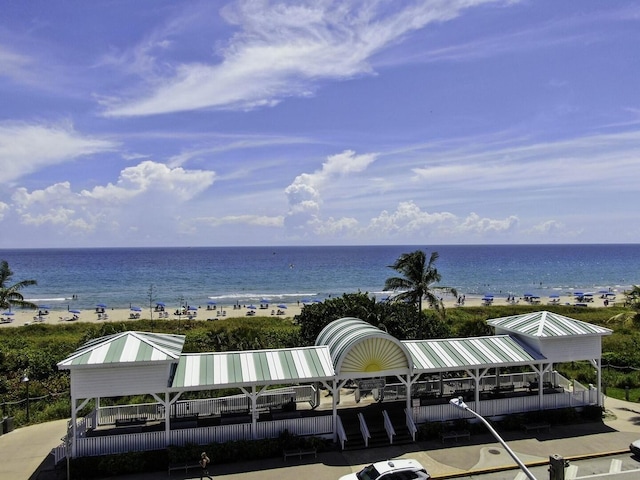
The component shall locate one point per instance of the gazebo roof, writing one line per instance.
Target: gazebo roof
(460, 353)
(547, 324)
(358, 346)
(126, 347)
(263, 367)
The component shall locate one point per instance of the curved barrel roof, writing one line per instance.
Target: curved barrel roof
(358, 346)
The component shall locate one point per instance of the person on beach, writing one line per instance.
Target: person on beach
(204, 463)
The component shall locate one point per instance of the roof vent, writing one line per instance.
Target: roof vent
(390, 463)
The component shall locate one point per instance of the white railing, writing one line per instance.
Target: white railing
(109, 415)
(206, 406)
(342, 435)
(411, 426)
(112, 444)
(388, 426)
(504, 406)
(364, 430)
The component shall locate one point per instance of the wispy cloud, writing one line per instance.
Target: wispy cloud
(27, 147)
(284, 50)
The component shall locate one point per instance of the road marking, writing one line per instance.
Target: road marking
(616, 466)
(571, 472)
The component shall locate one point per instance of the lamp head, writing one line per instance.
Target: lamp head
(459, 403)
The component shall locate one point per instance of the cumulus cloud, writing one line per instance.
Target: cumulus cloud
(25, 148)
(149, 192)
(282, 50)
(4, 208)
(304, 193)
(407, 222)
(254, 220)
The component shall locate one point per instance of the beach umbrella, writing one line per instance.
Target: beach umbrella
(264, 300)
(160, 304)
(211, 302)
(282, 306)
(77, 312)
(305, 300)
(555, 295)
(136, 309)
(192, 309)
(8, 313)
(44, 307)
(251, 307)
(578, 294)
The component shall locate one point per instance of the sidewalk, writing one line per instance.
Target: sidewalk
(23, 451)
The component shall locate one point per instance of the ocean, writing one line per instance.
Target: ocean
(121, 277)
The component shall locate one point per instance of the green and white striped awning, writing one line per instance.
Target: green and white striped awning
(546, 324)
(430, 356)
(357, 346)
(125, 348)
(200, 371)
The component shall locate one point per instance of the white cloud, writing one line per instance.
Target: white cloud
(283, 50)
(4, 209)
(304, 194)
(150, 176)
(146, 194)
(25, 148)
(13, 65)
(255, 220)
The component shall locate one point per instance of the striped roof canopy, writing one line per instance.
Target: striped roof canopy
(126, 347)
(201, 371)
(547, 324)
(358, 347)
(461, 353)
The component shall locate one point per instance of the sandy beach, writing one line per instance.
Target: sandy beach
(59, 316)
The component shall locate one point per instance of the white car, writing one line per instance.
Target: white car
(635, 447)
(401, 469)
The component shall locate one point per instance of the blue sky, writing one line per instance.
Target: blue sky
(162, 123)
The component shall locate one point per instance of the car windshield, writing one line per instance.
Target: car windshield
(368, 473)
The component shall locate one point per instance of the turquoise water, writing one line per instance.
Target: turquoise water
(122, 277)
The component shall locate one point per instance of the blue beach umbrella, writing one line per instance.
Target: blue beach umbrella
(211, 302)
(578, 294)
(192, 309)
(160, 304)
(251, 307)
(77, 312)
(101, 305)
(44, 307)
(264, 300)
(555, 295)
(8, 313)
(282, 306)
(136, 309)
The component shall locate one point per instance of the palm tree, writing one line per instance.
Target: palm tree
(418, 280)
(10, 294)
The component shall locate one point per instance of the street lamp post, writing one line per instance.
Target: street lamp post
(459, 403)
(25, 380)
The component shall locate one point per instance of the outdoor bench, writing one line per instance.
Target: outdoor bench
(538, 427)
(186, 466)
(455, 435)
(129, 422)
(299, 452)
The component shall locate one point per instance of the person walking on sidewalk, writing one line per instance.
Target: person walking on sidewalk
(204, 463)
